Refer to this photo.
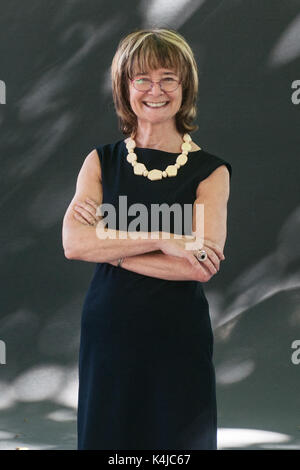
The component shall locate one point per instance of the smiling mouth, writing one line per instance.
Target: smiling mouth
(156, 107)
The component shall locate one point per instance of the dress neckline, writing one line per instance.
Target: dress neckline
(158, 150)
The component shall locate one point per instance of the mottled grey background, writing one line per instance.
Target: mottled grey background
(55, 62)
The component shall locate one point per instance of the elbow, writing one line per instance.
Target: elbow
(69, 243)
(69, 249)
(69, 253)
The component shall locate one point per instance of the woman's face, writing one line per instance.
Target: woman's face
(138, 99)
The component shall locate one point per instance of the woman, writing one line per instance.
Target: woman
(146, 375)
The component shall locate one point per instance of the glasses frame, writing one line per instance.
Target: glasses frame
(152, 83)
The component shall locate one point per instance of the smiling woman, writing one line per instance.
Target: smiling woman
(146, 374)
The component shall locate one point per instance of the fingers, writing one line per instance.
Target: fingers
(86, 211)
(87, 207)
(212, 261)
(196, 263)
(215, 248)
(208, 266)
(214, 256)
(212, 245)
(94, 209)
(201, 270)
(85, 215)
(80, 218)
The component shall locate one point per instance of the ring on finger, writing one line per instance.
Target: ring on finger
(201, 255)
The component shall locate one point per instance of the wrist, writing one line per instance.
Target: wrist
(113, 262)
(162, 237)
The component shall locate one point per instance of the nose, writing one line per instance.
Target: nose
(155, 90)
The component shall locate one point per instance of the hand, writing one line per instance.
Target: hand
(179, 247)
(214, 256)
(86, 212)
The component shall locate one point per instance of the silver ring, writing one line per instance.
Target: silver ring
(201, 255)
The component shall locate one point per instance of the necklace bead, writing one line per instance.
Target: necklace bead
(153, 175)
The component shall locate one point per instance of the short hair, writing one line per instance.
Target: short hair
(150, 49)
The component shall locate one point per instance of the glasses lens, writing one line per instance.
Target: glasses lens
(169, 84)
(144, 84)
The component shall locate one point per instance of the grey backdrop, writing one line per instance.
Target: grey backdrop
(55, 63)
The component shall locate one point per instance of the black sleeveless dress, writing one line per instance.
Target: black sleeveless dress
(146, 373)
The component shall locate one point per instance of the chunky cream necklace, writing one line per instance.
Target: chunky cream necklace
(171, 170)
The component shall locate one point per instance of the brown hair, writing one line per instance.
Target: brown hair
(152, 49)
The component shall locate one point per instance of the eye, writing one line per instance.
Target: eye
(141, 80)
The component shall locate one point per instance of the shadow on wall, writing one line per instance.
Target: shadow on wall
(58, 107)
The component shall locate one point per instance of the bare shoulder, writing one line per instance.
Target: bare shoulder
(92, 162)
(217, 182)
(88, 184)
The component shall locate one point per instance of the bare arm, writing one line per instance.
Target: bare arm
(81, 241)
(213, 193)
(154, 264)
(157, 264)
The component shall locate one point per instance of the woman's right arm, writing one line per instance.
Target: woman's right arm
(80, 241)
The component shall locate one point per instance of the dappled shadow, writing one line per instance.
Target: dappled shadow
(59, 107)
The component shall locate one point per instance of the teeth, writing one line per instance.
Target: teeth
(156, 105)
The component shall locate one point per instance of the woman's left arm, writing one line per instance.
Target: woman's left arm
(213, 192)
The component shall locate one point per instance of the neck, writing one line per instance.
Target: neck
(159, 138)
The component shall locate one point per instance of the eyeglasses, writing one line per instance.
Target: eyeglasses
(166, 84)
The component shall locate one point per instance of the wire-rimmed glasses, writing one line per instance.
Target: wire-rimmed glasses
(167, 84)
